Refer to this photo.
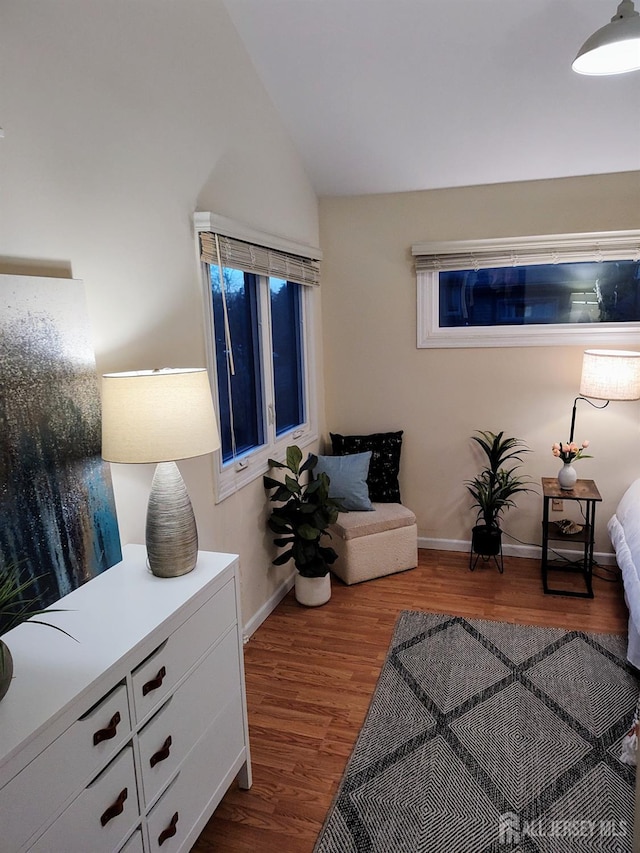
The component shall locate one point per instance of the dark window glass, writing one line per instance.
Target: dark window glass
(605, 292)
(288, 364)
(239, 395)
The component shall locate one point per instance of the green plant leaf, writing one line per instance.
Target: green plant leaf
(307, 531)
(16, 610)
(310, 463)
(281, 495)
(281, 559)
(49, 625)
(279, 526)
(294, 457)
(273, 463)
(270, 483)
(313, 486)
(293, 485)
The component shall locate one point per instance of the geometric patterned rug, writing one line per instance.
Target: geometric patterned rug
(488, 737)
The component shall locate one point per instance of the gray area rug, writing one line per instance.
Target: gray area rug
(487, 737)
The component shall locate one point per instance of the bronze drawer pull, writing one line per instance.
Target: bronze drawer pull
(116, 809)
(162, 753)
(169, 832)
(155, 682)
(109, 731)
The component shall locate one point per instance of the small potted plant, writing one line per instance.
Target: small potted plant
(15, 609)
(493, 489)
(300, 520)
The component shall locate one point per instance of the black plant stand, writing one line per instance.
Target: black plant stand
(490, 553)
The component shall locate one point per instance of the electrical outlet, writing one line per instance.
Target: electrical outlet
(557, 504)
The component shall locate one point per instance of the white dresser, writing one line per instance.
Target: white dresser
(126, 738)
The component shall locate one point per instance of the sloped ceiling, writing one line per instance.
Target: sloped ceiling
(395, 95)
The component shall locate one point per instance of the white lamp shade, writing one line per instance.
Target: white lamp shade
(157, 415)
(610, 375)
(614, 48)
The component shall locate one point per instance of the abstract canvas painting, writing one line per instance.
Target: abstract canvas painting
(57, 513)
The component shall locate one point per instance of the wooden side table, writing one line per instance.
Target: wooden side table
(584, 491)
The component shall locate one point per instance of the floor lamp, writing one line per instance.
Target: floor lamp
(607, 375)
(162, 416)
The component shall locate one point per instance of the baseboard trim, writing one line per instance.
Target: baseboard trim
(531, 552)
(268, 607)
(430, 544)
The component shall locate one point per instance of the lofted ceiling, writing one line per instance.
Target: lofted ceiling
(397, 95)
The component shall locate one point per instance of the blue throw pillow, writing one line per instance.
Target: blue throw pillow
(348, 479)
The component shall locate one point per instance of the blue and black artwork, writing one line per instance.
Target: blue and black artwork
(58, 524)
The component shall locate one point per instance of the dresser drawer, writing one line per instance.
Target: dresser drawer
(35, 795)
(172, 732)
(134, 844)
(101, 817)
(199, 782)
(156, 676)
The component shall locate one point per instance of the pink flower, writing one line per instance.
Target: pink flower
(569, 451)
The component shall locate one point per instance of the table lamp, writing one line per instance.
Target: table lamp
(161, 416)
(608, 375)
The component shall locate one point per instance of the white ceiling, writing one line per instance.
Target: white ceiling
(395, 95)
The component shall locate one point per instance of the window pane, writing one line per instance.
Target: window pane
(605, 292)
(287, 354)
(239, 395)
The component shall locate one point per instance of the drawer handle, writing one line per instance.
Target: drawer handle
(109, 731)
(162, 753)
(169, 832)
(154, 683)
(116, 809)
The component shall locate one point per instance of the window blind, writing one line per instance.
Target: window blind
(554, 249)
(260, 260)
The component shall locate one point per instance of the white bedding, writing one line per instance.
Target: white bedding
(624, 531)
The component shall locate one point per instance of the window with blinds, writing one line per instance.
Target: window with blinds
(567, 289)
(259, 306)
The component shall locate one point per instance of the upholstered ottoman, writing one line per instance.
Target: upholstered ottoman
(373, 544)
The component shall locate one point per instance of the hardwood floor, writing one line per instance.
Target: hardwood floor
(310, 674)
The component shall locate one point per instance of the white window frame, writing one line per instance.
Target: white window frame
(231, 476)
(546, 249)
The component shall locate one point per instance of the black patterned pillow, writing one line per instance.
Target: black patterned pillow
(385, 450)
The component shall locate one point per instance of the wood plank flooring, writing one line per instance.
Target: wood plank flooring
(310, 674)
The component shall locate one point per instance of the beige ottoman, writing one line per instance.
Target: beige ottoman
(372, 544)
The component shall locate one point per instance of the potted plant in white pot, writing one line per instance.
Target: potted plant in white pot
(300, 522)
(15, 608)
(493, 489)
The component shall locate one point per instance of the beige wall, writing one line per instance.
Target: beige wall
(376, 378)
(123, 118)
(120, 120)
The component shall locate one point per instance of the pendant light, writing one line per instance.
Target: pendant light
(615, 48)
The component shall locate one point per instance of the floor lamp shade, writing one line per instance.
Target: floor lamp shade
(610, 375)
(161, 416)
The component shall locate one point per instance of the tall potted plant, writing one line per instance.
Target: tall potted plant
(494, 487)
(300, 522)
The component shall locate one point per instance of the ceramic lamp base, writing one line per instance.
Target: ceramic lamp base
(171, 534)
